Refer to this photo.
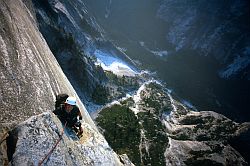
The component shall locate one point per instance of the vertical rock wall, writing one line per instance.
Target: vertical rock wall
(30, 76)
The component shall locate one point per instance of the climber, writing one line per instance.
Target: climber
(69, 113)
(60, 100)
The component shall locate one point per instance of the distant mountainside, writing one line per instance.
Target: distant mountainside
(221, 30)
(199, 48)
(214, 29)
(74, 38)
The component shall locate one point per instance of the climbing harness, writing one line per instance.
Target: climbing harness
(50, 152)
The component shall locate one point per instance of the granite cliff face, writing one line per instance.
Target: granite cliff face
(30, 79)
(30, 75)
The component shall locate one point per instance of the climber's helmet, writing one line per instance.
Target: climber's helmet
(71, 101)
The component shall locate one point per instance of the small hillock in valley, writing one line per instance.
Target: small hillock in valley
(153, 128)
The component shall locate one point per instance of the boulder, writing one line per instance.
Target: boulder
(30, 141)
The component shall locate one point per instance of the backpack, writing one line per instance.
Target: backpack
(60, 99)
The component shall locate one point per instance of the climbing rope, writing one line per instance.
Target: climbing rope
(50, 152)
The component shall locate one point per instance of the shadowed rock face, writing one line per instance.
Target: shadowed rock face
(71, 34)
(35, 137)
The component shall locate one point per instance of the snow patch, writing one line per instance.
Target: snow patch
(119, 69)
(142, 43)
(160, 53)
(111, 63)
